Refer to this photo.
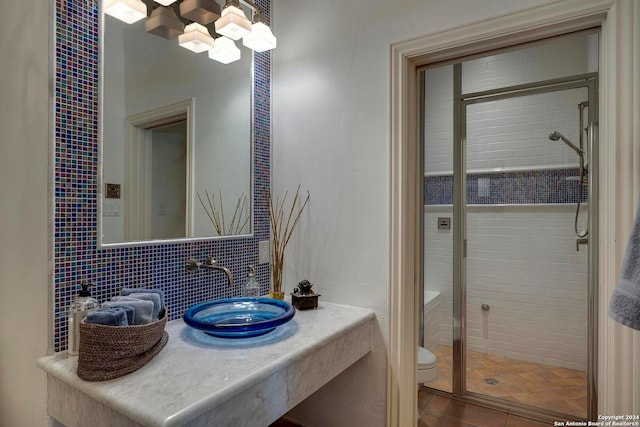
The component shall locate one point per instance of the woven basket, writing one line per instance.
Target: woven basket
(108, 352)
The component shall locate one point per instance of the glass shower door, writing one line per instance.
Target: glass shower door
(526, 287)
(437, 334)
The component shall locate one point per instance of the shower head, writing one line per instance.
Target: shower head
(555, 136)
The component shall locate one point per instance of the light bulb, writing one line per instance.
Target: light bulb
(128, 11)
(225, 51)
(196, 38)
(260, 38)
(233, 23)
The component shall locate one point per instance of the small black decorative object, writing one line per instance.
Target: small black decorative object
(303, 297)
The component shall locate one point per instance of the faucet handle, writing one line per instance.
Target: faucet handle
(210, 262)
(193, 265)
(581, 241)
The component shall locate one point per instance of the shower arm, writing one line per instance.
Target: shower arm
(571, 145)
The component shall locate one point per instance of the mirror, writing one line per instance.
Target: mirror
(176, 139)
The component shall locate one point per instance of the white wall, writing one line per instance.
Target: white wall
(168, 193)
(331, 135)
(24, 148)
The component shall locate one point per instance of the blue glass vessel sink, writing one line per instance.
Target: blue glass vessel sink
(239, 317)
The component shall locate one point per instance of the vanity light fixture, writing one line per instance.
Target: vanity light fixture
(224, 50)
(233, 23)
(196, 38)
(128, 11)
(164, 22)
(260, 38)
(201, 11)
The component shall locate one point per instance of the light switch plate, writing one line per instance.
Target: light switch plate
(112, 191)
(444, 223)
(484, 187)
(264, 251)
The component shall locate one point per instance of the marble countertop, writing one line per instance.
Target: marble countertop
(196, 373)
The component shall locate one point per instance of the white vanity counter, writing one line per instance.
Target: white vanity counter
(199, 380)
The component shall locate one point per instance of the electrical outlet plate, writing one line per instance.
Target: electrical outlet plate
(264, 251)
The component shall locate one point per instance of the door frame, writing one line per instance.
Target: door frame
(138, 149)
(619, 135)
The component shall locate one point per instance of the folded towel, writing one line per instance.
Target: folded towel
(624, 305)
(154, 298)
(129, 291)
(143, 310)
(130, 311)
(114, 316)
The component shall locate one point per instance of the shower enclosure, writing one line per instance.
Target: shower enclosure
(509, 224)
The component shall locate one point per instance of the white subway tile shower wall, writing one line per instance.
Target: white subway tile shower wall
(520, 126)
(438, 117)
(514, 133)
(432, 319)
(438, 269)
(522, 262)
(564, 57)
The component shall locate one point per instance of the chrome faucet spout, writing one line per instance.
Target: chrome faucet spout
(211, 264)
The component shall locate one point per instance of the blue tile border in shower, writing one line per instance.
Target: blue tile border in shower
(548, 186)
(77, 256)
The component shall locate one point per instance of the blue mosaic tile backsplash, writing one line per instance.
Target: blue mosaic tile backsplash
(550, 186)
(77, 255)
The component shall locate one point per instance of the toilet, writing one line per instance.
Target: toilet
(427, 366)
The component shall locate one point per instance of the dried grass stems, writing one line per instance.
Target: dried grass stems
(216, 215)
(282, 231)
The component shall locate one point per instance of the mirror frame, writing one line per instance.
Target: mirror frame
(101, 181)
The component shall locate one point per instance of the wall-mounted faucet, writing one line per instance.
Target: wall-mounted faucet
(209, 263)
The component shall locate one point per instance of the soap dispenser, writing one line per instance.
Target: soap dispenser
(251, 289)
(79, 308)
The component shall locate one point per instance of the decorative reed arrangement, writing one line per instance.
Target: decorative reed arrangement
(217, 215)
(281, 232)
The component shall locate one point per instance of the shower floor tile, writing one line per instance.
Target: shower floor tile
(549, 387)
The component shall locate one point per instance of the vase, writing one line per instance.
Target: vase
(276, 291)
(277, 295)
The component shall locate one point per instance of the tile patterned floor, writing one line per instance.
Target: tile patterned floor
(543, 386)
(439, 411)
